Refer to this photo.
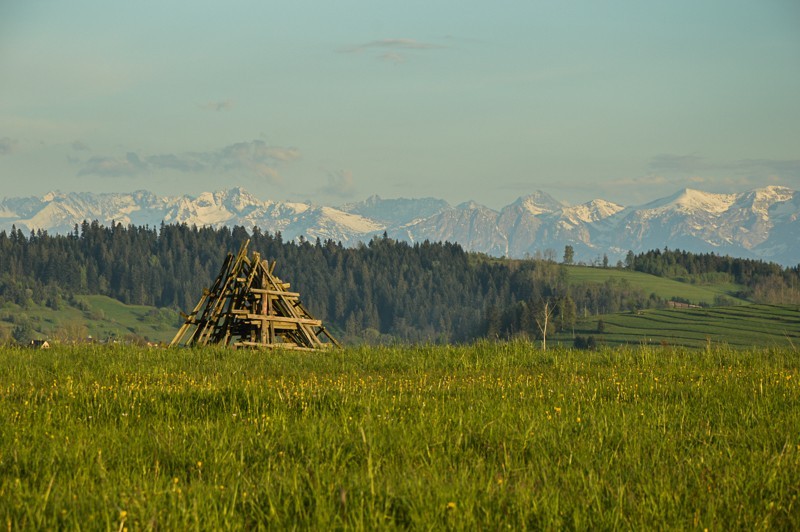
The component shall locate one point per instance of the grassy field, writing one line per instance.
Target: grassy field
(741, 326)
(98, 316)
(486, 436)
(661, 286)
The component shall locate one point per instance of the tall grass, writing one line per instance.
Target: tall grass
(480, 436)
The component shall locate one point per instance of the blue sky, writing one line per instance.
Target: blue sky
(463, 100)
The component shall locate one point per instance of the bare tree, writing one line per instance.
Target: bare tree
(542, 320)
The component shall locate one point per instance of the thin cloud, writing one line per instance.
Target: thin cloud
(391, 50)
(780, 167)
(392, 44)
(218, 106)
(7, 145)
(392, 57)
(129, 166)
(254, 158)
(695, 164)
(176, 162)
(640, 181)
(283, 154)
(340, 184)
(667, 162)
(80, 146)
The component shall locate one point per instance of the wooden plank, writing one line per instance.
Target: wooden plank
(284, 319)
(258, 344)
(310, 336)
(331, 338)
(275, 292)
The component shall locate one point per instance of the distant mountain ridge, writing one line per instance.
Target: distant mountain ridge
(762, 223)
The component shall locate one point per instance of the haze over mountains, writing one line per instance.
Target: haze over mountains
(762, 223)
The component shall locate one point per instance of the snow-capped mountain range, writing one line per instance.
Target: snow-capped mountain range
(762, 223)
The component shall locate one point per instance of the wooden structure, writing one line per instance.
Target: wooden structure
(248, 306)
(40, 344)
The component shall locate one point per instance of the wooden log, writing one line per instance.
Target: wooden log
(275, 292)
(283, 319)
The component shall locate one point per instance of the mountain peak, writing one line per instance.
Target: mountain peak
(236, 199)
(538, 203)
(760, 223)
(689, 199)
(397, 211)
(50, 196)
(470, 206)
(592, 211)
(775, 193)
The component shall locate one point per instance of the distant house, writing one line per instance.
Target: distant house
(40, 344)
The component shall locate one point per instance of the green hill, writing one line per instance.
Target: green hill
(661, 286)
(100, 317)
(738, 326)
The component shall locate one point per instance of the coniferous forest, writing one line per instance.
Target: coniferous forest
(384, 291)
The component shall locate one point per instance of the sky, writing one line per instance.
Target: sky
(332, 102)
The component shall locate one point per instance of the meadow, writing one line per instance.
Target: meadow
(663, 287)
(741, 326)
(100, 317)
(485, 436)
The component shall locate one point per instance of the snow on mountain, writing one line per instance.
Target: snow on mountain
(538, 203)
(472, 225)
(327, 223)
(750, 220)
(590, 212)
(761, 223)
(783, 242)
(688, 201)
(59, 213)
(396, 212)
(733, 224)
(520, 222)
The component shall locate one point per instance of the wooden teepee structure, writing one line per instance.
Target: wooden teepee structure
(248, 306)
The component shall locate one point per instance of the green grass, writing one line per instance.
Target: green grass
(101, 317)
(661, 286)
(487, 436)
(742, 326)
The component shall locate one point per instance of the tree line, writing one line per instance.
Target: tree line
(383, 291)
(761, 282)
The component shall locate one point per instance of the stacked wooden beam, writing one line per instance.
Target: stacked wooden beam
(249, 306)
